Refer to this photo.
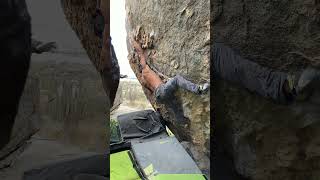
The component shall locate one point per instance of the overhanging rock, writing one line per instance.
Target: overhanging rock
(176, 35)
(264, 139)
(26, 123)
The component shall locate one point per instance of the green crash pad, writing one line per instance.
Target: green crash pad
(178, 177)
(121, 167)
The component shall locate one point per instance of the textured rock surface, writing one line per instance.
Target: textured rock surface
(176, 35)
(74, 107)
(73, 102)
(266, 140)
(79, 16)
(268, 32)
(26, 122)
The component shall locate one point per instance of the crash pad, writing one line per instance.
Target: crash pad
(121, 167)
(178, 177)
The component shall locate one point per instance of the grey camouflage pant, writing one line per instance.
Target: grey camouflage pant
(230, 66)
(165, 91)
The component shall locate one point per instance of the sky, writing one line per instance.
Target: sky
(119, 35)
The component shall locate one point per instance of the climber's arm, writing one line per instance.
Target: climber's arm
(140, 51)
(150, 79)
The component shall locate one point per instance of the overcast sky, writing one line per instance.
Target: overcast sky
(119, 35)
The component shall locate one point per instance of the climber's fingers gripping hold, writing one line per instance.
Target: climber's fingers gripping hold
(137, 47)
(141, 53)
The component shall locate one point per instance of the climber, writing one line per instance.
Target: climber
(164, 92)
(281, 87)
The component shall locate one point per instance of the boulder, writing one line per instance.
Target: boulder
(72, 102)
(176, 35)
(265, 140)
(79, 14)
(26, 123)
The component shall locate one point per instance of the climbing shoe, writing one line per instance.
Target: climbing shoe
(204, 88)
(308, 82)
(301, 86)
(289, 88)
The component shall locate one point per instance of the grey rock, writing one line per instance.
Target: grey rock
(267, 140)
(73, 104)
(26, 123)
(179, 46)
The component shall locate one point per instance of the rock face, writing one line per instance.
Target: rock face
(26, 122)
(176, 35)
(73, 101)
(73, 104)
(79, 15)
(272, 33)
(266, 140)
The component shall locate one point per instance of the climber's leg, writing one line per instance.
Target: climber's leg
(171, 102)
(160, 94)
(230, 66)
(307, 83)
(166, 90)
(180, 82)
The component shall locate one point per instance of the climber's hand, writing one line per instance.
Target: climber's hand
(137, 47)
